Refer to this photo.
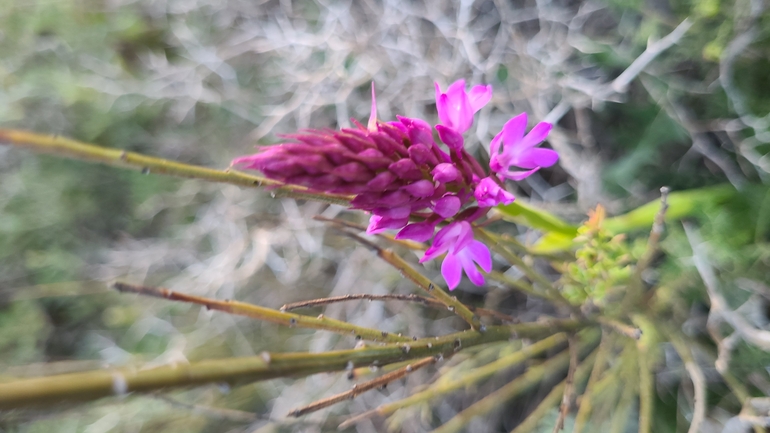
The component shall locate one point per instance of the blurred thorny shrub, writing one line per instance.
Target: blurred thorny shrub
(201, 82)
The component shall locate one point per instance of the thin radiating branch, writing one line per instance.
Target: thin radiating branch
(266, 314)
(698, 382)
(534, 375)
(620, 327)
(537, 279)
(468, 379)
(636, 285)
(412, 245)
(569, 385)
(585, 406)
(68, 148)
(430, 302)
(363, 387)
(422, 281)
(552, 399)
(92, 385)
(646, 388)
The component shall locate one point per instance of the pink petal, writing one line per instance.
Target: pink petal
(420, 154)
(450, 137)
(419, 232)
(463, 115)
(445, 172)
(447, 206)
(395, 198)
(513, 132)
(372, 126)
(536, 135)
(456, 89)
(442, 106)
(518, 175)
(451, 270)
(353, 172)
(464, 238)
(470, 269)
(479, 96)
(400, 212)
(421, 188)
(480, 254)
(494, 145)
(382, 180)
(406, 169)
(379, 224)
(536, 157)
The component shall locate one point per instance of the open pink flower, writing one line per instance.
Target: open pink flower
(519, 150)
(488, 193)
(462, 254)
(456, 107)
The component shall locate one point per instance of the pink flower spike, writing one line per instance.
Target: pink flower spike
(488, 193)
(372, 125)
(445, 172)
(466, 260)
(447, 206)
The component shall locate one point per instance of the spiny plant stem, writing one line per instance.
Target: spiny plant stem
(102, 383)
(584, 410)
(553, 397)
(533, 376)
(422, 281)
(266, 314)
(468, 379)
(66, 147)
(537, 279)
(363, 387)
(431, 302)
(412, 245)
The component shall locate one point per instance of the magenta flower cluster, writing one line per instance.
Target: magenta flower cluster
(399, 174)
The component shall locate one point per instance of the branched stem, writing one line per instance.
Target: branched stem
(468, 379)
(430, 302)
(363, 387)
(66, 147)
(422, 282)
(267, 314)
(117, 381)
(521, 384)
(552, 399)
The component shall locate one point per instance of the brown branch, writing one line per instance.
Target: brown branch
(569, 385)
(430, 302)
(363, 387)
(412, 245)
(266, 314)
(451, 302)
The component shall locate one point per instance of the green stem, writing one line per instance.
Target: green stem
(102, 383)
(267, 314)
(537, 279)
(533, 376)
(65, 147)
(554, 397)
(476, 375)
(422, 282)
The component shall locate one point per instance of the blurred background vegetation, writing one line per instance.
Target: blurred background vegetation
(204, 81)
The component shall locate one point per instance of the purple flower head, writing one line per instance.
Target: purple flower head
(519, 150)
(456, 107)
(488, 193)
(462, 254)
